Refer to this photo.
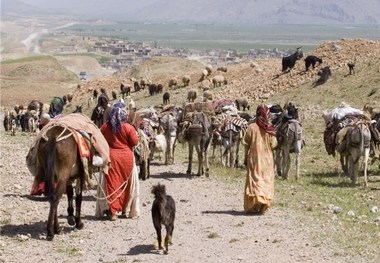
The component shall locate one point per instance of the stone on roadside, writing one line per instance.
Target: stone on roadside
(350, 213)
(337, 209)
(375, 209)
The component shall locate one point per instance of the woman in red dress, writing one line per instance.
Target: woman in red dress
(121, 138)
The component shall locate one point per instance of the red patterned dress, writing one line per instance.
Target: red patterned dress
(121, 154)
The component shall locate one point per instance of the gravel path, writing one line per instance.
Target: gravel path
(210, 223)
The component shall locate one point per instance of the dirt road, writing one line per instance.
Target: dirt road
(210, 223)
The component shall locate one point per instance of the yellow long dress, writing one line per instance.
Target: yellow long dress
(259, 184)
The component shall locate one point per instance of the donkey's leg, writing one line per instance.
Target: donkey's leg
(237, 153)
(173, 143)
(191, 150)
(366, 157)
(206, 158)
(52, 215)
(78, 202)
(53, 224)
(353, 168)
(344, 164)
(298, 158)
(285, 162)
(200, 159)
(70, 208)
(168, 149)
(78, 206)
(278, 162)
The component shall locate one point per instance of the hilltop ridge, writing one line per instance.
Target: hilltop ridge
(260, 79)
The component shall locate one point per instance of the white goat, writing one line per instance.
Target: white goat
(159, 146)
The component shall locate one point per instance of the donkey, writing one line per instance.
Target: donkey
(357, 144)
(289, 136)
(60, 165)
(196, 130)
(168, 123)
(231, 132)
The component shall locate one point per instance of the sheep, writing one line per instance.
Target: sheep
(186, 80)
(160, 88)
(158, 145)
(125, 90)
(144, 82)
(191, 95)
(219, 80)
(256, 66)
(325, 73)
(312, 61)
(130, 104)
(173, 82)
(223, 69)
(209, 69)
(289, 61)
(207, 95)
(351, 67)
(243, 103)
(166, 98)
(204, 75)
(32, 121)
(205, 84)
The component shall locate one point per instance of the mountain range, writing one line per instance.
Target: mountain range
(253, 12)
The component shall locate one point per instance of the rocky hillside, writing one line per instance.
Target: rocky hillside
(258, 80)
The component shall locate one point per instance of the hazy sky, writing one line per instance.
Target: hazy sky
(223, 11)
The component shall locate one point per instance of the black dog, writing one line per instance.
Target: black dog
(163, 213)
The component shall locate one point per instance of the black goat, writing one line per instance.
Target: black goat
(160, 88)
(153, 89)
(114, 95)
(324, 74)
(289, 61)
(163, 213)
(136, 86)
(166, 98)
(95, 93)
(312, 61)
(351, 67)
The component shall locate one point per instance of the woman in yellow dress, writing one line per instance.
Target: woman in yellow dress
(259, 141)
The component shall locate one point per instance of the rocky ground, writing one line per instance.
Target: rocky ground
(210, 223)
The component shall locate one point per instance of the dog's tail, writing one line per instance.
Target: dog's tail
(159, 192)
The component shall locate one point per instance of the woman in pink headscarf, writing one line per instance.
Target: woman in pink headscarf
(121, 138)
(259, 140)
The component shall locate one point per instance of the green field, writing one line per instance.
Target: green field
(208, 36)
